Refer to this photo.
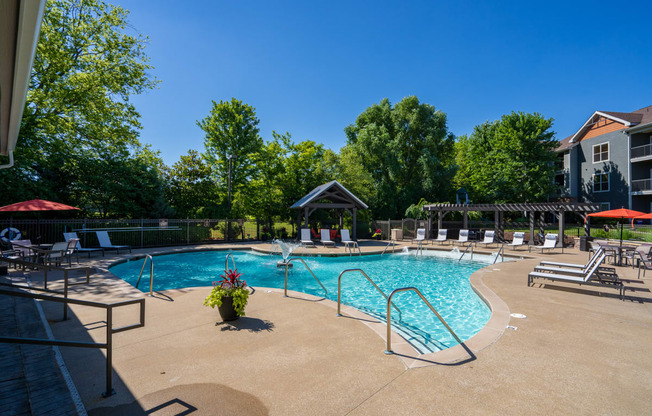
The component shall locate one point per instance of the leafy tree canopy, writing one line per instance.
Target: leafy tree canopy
(77, 115)
(405, 150)
(508, 160)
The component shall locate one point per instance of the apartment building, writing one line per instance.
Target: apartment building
(609, 161)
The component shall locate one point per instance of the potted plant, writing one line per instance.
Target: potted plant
(378, 234)
(230, 295)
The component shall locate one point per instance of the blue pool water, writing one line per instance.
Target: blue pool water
(443, 281)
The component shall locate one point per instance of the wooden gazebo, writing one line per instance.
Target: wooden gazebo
(331, 195)
(558, 209)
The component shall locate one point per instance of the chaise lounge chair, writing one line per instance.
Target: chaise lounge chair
(591, 277)
(326, 237)
(489, 238)
(421, 236)
(517, 241)
(79, 249)
(464, 237)
(305, 238)
(575, 269)
(550, 242)
(348, 243)
(441, 236)
(105, 242)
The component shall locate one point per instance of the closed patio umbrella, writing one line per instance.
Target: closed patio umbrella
(620, 213)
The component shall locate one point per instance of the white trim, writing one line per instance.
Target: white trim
(608, 182)
(29, 26)
(599, 113)
(608, 152)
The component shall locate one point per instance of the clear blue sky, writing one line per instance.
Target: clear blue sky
(309, 68)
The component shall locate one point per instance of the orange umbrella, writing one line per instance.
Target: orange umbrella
(619, 213)
(641, 217)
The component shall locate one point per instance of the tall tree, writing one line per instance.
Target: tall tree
(407, 150)
(508, 160)
(232, 142)
(191, 190)
(77, 109)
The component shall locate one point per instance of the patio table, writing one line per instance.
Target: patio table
(618, 251)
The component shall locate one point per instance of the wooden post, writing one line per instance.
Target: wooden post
(587, 226)
(430, 215)
(355, 224)
(306, 216)
(465, 222)
(560, 218)
(532, 215)
(440, 220)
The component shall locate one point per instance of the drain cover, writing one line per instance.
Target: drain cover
(518, 315)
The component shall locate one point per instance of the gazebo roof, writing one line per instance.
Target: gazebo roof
(333, 191)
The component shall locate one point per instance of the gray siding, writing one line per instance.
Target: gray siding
(617, 166)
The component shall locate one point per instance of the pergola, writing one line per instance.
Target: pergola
(558, 209)
(339, 198)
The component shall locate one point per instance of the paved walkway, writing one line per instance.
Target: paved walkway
(579, 351)
(30, 380)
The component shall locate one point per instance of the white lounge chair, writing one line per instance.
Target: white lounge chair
(489, 237)
(574, 269)
(421, 235)
(105, 242)
(441, 236)
(550, 242)
(305, 238)
(464, 237)
(326, 237)
(79, 249)
(590, 277)
(517, 241)
(574, 265)
(348, 243)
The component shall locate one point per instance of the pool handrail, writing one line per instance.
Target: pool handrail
(226, 263)
(498, 254)
(389, 316)
(151, 273)
(339, 290)
(465, 250)
(393, 243)
(287, 264)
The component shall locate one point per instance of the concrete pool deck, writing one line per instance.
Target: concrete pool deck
(580, 350)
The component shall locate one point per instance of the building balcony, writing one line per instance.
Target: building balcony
(642, 187)
(641, 153)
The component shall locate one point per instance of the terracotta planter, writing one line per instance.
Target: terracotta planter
(227, 312)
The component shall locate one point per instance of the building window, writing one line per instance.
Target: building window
(601, 152)
(605, 206)
(601, 182)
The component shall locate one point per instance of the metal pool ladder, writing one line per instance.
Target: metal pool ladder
(499, 252)
(287, 264)
(226, 263)
(389, 316)
(393, 243)
(151, 273)
(339, 290)
(465, 250)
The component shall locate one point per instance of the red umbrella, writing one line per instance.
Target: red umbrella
(619, 213)
(36, 205)
(641, 217)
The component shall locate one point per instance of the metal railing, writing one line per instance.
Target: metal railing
(226, 263)
(641, 151)
(501, 250)
(108, 345)
(339, 290)
(465, 250)
(151, 273)
(389, 316)
(287, 264)
(419, 248)
(46, 268)
(393, 243)
(642, 185)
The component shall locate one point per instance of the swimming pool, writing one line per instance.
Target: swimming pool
(443, 281)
